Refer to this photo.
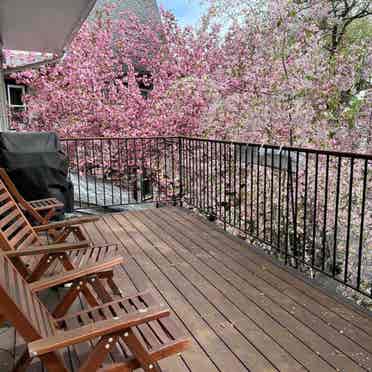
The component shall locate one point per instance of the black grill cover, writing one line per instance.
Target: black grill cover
(37, 165)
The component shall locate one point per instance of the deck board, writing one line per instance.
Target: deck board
(242, 311)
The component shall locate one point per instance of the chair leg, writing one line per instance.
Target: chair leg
(78, 233)
(99, 353)
(92, 301)
(67, 300)
(65, 260)
(128, 366)
(21, 267)
(99, 288)
(60, 236)
(48, 216)
(109, 277)
(70, 297)
(41, 267)
(96, 284)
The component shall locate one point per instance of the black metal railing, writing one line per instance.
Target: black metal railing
(312, 209)
(109, 172)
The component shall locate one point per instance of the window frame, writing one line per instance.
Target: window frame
(16, 86)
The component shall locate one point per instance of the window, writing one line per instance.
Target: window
(15, 95)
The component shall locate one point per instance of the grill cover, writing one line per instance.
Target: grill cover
(37, 165)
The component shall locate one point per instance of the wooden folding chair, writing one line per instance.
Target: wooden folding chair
(135, 330)
(32, 258)
(41, 211)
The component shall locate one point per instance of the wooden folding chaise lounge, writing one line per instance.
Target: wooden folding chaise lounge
(135, 331)
(41, 211)
(35, 260)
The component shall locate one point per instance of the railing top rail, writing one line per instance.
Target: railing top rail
(288, 148)
(115, 138)
(345, 154)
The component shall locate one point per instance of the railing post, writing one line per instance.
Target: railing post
(180, 154)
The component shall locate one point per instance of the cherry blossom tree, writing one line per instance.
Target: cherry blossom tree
(267, 71)
(279, 72)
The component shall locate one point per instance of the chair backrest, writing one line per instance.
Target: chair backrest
(11, 186)
(15, 230)
(18, 197)
(20, 306)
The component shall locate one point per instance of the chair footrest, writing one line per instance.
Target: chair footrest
(159, 338)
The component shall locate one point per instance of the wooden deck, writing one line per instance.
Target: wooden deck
(242, 311)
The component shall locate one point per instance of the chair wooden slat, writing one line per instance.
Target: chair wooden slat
(82, 258)
(149, 331)
(16, 293)
(141, 332)
(21, 289)
(46, 323)
(30, 240)
(97, 315)
(4, 269)
(9, 217)
(26, 299)
(78, 258)
(4, 196)
(12, 228)
(95, 255)
(164, 330)
(20, 235)
(32, 312)
(116, 309)
(6, 206)
(85, 318)
(3, 276)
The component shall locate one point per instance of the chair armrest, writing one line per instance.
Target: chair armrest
(64, 223)
(102, 328)
(74, 274)
(50, 248)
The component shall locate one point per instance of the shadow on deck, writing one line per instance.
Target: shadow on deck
(242, 311)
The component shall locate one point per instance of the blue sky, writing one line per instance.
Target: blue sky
(187, 12)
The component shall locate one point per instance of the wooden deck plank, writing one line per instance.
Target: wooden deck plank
(216, 291)
(131, 279)
(245, 315)
(245, 352)
(337, 340)
(156, 236)
(290, 282)
(355, 344)
(300, 311)
(242, 311)
(146, 275)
